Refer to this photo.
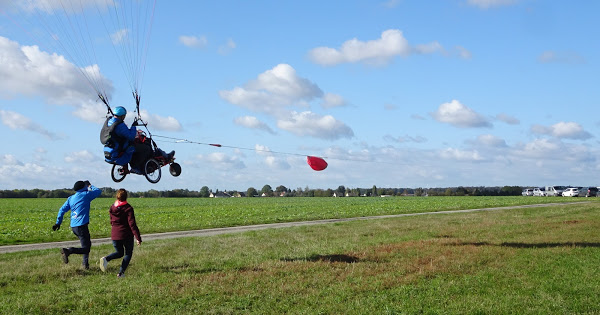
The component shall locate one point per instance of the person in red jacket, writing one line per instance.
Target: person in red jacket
(124, 229)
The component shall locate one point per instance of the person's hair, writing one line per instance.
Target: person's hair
(122, 194)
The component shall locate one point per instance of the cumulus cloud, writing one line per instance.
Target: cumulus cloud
(252, 122)
(377, 52)
(16, 121)
(270, 159)
(157, 122)
(221, 161)
(460, 155)
(30, 72)
(80, 157)
(508, 119)
(491, 141)
(193, 41)
(561, 57)
(9, 159)
(486, 4)
(459, 115)
(310, 124)
(273, 90)
(565, 130)
(331, 100)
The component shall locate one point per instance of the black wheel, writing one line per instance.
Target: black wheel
(175, 169)
(152, 171)
(118, 172)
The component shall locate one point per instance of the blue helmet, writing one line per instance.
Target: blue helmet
(120, 111)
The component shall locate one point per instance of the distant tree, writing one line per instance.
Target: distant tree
(280, 189)
(267, 190)
(340, 191)
(251, 192)
(374, 191)
(204, 192)
(461, 191)
(419, 191)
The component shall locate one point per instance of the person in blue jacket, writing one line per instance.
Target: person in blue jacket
(120, 147)
(79, 205)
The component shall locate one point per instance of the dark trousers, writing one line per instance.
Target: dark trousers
(142, 153)
(122, 248)
(86, 243)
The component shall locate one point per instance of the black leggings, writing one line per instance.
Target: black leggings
(122, 248)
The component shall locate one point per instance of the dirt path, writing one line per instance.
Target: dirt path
(237, 229)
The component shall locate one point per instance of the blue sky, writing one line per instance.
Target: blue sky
(392, 93)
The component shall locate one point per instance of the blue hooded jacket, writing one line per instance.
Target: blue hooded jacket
(124, 132)
(79, 204)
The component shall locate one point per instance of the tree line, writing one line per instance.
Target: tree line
(280, 191)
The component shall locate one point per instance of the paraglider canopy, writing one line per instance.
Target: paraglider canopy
(316, 163)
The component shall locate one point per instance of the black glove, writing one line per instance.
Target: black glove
(135, 123)
(87, 183)
(55, 227)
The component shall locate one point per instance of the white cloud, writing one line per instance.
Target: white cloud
(377, 52)
(459, 115)
(16, 121)
(561, 57)
(229, 46)
(392, 43)
(156, 122)
(28, 71)
(270, 159)
(119, 36)
(331, 100)
(51, 5)
(564, 130)
(221, 161)
(463, 52)
(486, 4)
(491, 141)
(9, 159)
(508, 119)
(253, 123)
(193, 41)
(273, 90)
(310, 124)
(84, 156)
(460, 155)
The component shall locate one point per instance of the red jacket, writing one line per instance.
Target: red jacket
(123, 222)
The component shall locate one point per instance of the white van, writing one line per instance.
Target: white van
(555, 190)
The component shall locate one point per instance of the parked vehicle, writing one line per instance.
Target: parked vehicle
(554, 190)
(527, 192)
(590, 191)
(571, 192)
(540, 192)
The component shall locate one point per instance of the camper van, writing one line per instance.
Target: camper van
(555, 190)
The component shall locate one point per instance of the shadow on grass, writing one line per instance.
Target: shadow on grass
(325, 258)
(529, 245)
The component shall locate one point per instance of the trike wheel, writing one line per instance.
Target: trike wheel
(118, 173)
(152, 171)
(175, 169)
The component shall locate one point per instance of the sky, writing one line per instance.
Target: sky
(392, 93)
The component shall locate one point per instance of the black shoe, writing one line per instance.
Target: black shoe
(65, 255)
(86, 266)
(170, 155)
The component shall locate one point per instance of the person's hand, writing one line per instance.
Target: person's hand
(135, 123)
(139, 243)
(87, 183)
(55, 227)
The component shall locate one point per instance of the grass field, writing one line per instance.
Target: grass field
(30, 220)
(525, 261)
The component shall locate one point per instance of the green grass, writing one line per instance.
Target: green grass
(30, 220)
(524, 261)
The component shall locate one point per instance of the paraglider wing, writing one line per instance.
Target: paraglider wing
(316, 163)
